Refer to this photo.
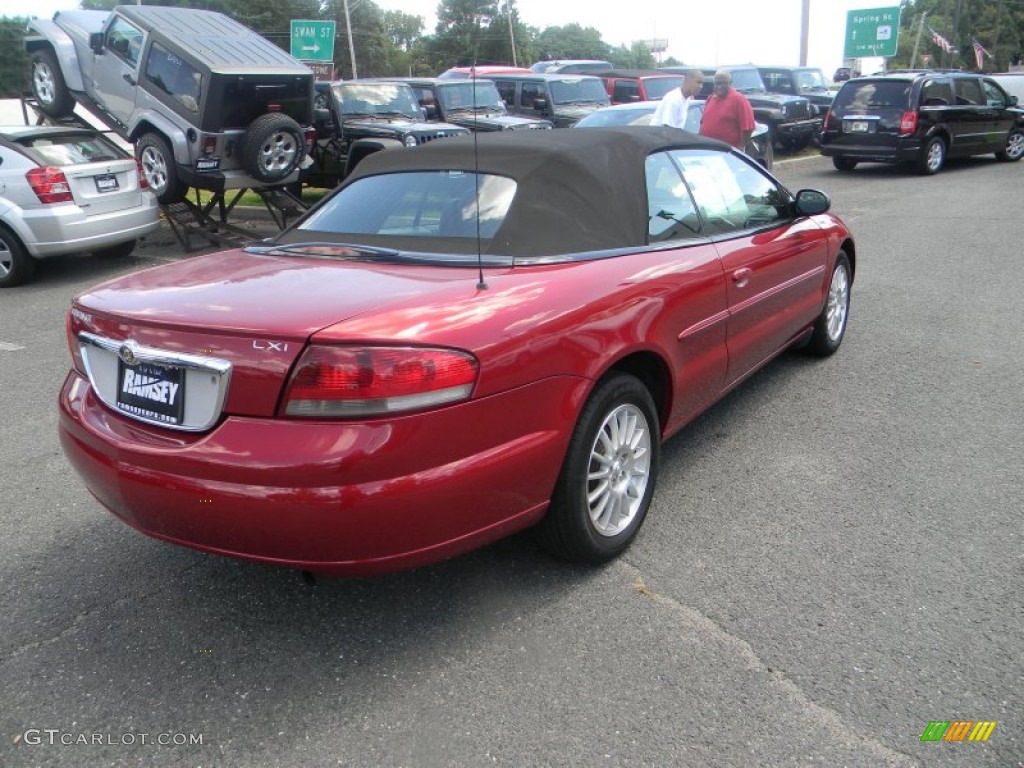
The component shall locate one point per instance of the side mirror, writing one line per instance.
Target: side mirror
(96, 42)
(811, 202)
(1014, 101)
(321, 118)
(430, 111)
(540, 105)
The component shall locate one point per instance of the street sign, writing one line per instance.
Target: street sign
(312, 40)
(324, 70)
(872, 32)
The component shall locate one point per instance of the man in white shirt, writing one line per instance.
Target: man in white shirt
(673, 106)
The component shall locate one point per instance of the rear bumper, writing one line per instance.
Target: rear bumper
(219, 181)
(345, 498)
(64, 229)
(903, 151)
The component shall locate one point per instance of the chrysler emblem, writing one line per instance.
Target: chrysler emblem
(127, 355)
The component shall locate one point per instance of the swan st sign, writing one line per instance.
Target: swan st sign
(312, 40)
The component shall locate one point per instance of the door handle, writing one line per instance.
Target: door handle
(128, 79)
(741, 277)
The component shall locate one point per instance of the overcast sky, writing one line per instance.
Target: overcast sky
(698, 31)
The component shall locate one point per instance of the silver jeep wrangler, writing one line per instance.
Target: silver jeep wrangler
(207, 102)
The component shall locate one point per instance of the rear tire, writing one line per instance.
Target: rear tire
(830, 327)
(844, 163)
(48, 86)
(159, 168)
(273, 147)
(607, 480)
(119, 251)
(933, 157)
(17, 265)
(1014, 150)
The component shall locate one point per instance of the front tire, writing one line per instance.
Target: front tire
(830, 327)
(844, 163)
(159, 168)
(607, 480)
(16, 264)
(1014, 150)
(933, 158)
(273, 147)
(48, 86)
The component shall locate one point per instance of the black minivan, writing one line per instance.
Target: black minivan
(921, 118)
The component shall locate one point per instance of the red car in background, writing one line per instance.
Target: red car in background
(458, 343)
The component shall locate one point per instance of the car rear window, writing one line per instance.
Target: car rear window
(865, 94)
(72, 149)
(417, 204)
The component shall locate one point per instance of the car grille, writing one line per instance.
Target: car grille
(798, 110)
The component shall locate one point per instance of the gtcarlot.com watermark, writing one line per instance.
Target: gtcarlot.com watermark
(35, 737)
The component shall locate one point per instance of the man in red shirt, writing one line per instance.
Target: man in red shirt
(727, 114)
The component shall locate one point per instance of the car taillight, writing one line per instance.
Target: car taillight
(825, 117)
(908, 123)
(369, 381)
(50, 185)
(273, 107)
(209, 145)
(143, 184)
(310, 139)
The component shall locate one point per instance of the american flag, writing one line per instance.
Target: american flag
(940, 41)
(979, 52)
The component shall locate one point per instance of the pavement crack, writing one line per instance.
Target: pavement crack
(828, 718)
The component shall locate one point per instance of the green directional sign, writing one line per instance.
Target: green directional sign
(871, 32)
(312, 40)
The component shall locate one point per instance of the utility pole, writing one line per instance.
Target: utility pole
(956, 32)
(805, 25)
(917, 40)
(351, 45)
(511, 32)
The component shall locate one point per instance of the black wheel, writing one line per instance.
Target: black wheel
(831, 324)
(1014, 150)
(608, 477)
(159, 168)
(119, 251)
(48, 86)
(844, 163)
(933, 157)
(16, 264)
(273, 147)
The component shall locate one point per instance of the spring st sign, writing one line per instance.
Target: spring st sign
(312, 40)
(872, 32)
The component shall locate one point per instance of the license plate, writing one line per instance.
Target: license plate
(106, 183)
(150, 391)
(859, 126)
(207, 163)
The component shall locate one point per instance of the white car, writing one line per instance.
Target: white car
(67, 190)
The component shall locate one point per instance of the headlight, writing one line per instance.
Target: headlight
(410, 141)
(784, 110)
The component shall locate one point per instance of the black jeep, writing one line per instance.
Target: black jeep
(356, 118)
(474, 105)
(808, 82)
(792, 120)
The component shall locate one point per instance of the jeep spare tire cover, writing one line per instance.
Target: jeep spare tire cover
(273, 147)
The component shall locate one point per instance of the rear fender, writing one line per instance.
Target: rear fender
(45, 34)
(360, 149)
(151, 121)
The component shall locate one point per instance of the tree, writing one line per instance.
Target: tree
(13, 59)
(997, 24)
(572, 42)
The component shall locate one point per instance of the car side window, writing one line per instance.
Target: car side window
(125, 41)
(530, 93)
(507, 91)
(936, 93)
(175, 77)
(968, 91)
(625, 90)
(671, 214)
(732, 195)
(994, 96)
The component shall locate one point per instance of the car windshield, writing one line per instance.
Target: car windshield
(578, 89)
(71, 150)
(440, 204)
(863, 94)
(384, 99)
(657, 87)
(747, 80)
(810, 81)
(604, 118)
(482, 94)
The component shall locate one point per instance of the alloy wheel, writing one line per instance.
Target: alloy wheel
(619, 470)
(42, 78)
(837, 304)
(277, 153)
(154, 168)
(1015, 146)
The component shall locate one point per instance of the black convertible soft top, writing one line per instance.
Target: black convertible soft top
(577, 190)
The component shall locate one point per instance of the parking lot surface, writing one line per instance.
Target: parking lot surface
(832, 561)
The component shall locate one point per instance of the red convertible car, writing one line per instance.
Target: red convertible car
(458, 343)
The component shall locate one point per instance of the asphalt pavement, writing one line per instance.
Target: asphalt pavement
(832, 561)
